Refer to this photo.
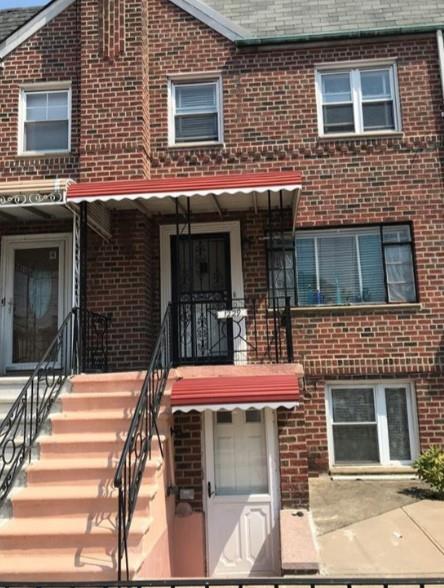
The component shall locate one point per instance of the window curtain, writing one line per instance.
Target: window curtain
(400, 278)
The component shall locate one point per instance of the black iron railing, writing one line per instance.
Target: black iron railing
(256, 329)
(308, 581)
(138, 444)
(23, 423)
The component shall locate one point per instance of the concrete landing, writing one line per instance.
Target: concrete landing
(407, 541)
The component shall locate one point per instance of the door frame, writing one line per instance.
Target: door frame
(230, 227)
(272, 451)
(8, 244)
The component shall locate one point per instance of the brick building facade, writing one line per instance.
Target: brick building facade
(118, 66)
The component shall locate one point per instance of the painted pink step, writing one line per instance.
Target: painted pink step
(63, 500)
(92, 401)
(78, 532)
(63, 525)
(80, 470)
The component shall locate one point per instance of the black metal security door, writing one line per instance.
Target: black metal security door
(201, 288)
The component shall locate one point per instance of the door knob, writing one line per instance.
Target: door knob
(210, 492)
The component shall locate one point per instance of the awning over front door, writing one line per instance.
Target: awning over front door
(229, 393)
(215, 193)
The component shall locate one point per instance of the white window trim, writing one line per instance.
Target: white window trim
(354, 68)
(44, 87)
(381, 420)
(190, 79)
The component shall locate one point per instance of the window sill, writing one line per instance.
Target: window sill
(375, 470)
(408, 307)
(361, 136)
(198, 144)
(43, 154)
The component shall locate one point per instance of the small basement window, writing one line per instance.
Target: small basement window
(45, 121)
(371, 423)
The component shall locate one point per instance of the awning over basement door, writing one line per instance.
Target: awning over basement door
(229, 393)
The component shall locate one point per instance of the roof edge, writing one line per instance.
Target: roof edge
(213, 19)
(358, 34)
(32, 26)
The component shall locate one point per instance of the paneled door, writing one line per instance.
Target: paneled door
(241, 489)
(34, 297)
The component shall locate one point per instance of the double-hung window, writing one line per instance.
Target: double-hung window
(371, 423)
(357, 100)
(344, 266)
(45, 121)
(195, 111)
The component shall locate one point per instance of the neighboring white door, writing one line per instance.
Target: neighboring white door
(35, 295)
(241, 489)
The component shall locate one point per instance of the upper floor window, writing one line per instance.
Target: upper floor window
(370, 265)
(195, 111)
(357, 100)
(45, 125)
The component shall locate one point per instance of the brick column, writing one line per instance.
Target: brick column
(293, 460)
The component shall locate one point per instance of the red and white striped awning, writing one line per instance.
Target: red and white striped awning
(229, 393)
(188, 187)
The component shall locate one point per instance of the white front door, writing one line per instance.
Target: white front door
(241, 489)
(35, 295)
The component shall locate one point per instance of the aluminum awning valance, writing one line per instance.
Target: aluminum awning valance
(219, 193)
(229, 393)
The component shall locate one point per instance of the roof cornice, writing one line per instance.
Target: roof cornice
(358, 34)
(32, 26)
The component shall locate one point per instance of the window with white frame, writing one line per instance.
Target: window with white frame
(195, 111)
(344, 266)
(357, 100)
(45, 121)
(371, 423)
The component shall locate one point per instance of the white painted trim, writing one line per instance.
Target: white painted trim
(41, 19)
(213, 19)
(231, 227)
(43, 88)
(8, 244)
(353, 68)
(272, 451)
(196, 78)
(236, 406)
(381, 418)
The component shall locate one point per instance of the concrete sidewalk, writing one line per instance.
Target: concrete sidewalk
(406, 541)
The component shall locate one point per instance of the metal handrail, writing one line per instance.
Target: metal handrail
(253, 329)
(24, 421)
(138, 444)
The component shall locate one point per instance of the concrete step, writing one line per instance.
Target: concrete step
(64, 500)
(80, 421)
(83, 470)
(113, 382)
(72, 532)
(98, 401)
(74, 565)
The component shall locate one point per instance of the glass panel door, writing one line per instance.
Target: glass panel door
(35, 302)
(240, 455)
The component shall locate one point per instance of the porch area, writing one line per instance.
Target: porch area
(180, 285)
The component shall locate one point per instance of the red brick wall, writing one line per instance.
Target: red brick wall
(188, 454)
(50, 55)
(293, 457)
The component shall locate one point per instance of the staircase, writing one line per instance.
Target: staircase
(62, 524)
(10, 388)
